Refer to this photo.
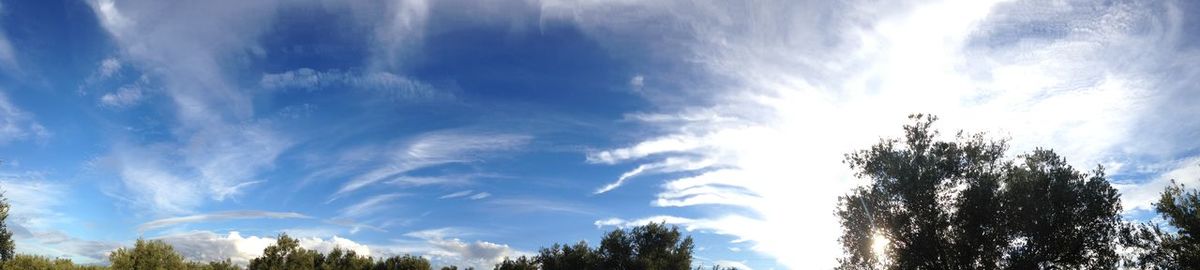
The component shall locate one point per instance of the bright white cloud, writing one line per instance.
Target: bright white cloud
(442, 248)
(803, 87)
(1142, 195)
(209, 246)
(736, 264)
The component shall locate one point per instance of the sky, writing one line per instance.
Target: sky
(468, 131)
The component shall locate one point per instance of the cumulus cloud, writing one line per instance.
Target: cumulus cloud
(218, 216)
(442, 248)
(210, 246)
(440, 245)
(803, 83)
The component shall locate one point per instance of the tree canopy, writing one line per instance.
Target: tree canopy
(1153, 247)
(934, 204)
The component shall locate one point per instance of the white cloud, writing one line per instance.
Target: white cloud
(108, 67)
(740, 265)
(456, 194)
(433, 149)
(217, 147)
(804, 83)
(36, 212)
(443, 249)
(479, 196)
(17, 124)
(385, 84)
(401, 32)
(218, 216)
(125, 96)
(525, 205)
(370, 205)
(439, 245)
(1142, 195)
(8, 58)
(209, 246)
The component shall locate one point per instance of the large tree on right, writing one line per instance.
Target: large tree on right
(961, 204)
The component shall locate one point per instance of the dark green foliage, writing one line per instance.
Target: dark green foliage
(30, 262)
(1155, 248)
(221, 265)
(522, 263)
(406, 262)
(961, 205)
(286, 254)
(566, 257)
(6, 236)
(651, 246)
(147, 255)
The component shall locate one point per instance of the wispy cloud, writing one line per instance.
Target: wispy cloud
(456, 194)
(480, 196)
(370, 205)
(528, 205)
(218, 216)
(380, 83)
(216, 145)
(17, 124)
(36, 213)
(8, 58)
(433, 149)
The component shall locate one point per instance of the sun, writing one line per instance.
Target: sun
(879, 244)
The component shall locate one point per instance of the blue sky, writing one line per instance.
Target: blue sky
(468, 131)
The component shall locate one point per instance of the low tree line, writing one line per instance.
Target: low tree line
(652, 246)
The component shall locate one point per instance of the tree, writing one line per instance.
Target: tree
(650, 246)
(961, 205)
(568, 257)
(521, 263)
(7, 246)
(285, 254)
(339, 259)
(406, 262)
(147, 255)
(1155, 248)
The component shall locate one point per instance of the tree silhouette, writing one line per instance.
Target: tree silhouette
(1155, 248)
(934, 204)
(521, 263)
(7, 247)
(148, 255)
